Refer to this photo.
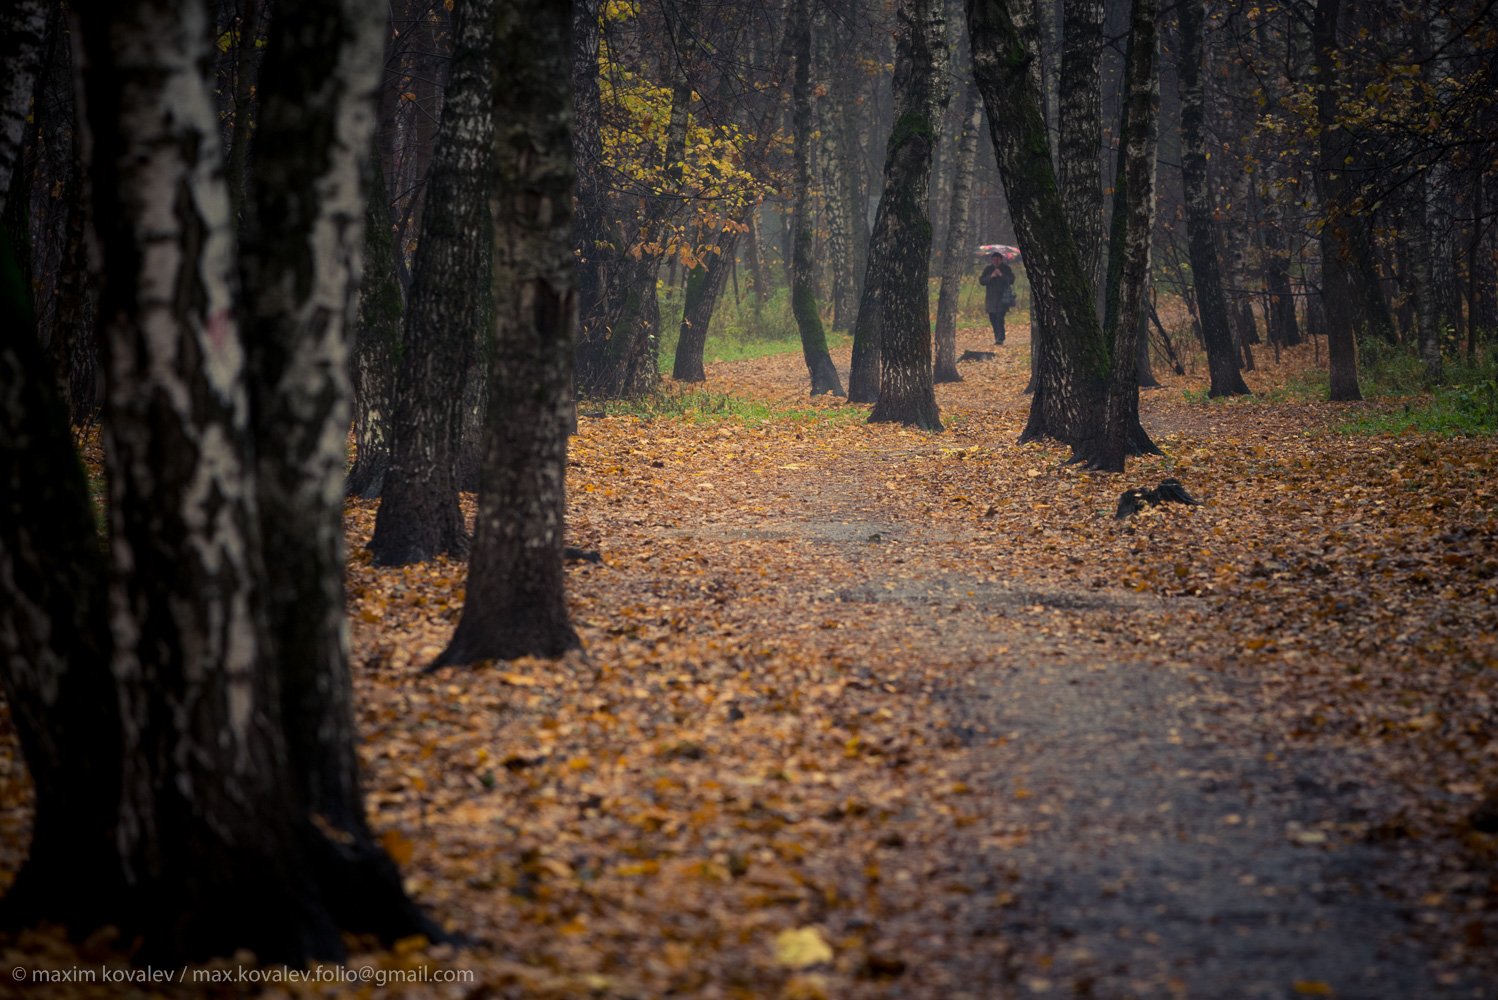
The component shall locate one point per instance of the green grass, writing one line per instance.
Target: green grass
(742, 330)
(1455, 410)
(701, 406)
(1466, 403)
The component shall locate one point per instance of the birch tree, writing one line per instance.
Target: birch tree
(155, 706)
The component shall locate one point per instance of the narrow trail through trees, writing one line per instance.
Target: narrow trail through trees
(1129, 835)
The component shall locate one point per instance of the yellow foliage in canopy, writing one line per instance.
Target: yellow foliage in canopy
(711, 176)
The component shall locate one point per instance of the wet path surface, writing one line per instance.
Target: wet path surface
(1162, 859)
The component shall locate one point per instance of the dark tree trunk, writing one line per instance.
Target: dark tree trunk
(1134, 204)
(837, 174)
(54, 640)
(23, 31)
(1222, 358)
(377, 345)
(419, 517)
(1078, 166)
(906, 393)
(1068, 400)
(1279, 314)
(819, 367)
(469, 464)
(218, 832)
(515, 605)
(301, 275)
(959, 234)
(247, 40)
(206, 829)
(705, 284)
(1338, 231)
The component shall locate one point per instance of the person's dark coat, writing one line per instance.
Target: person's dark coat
(998, 280)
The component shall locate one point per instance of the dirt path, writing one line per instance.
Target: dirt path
(920, 703)
(1134, 845)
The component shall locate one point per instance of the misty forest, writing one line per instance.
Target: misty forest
(800, 499)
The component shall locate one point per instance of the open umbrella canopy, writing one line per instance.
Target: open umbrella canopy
(988, 249)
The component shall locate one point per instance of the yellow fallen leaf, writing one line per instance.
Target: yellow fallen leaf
(398, 846)
(518, 680)
(1313, 988)
(801, 948)
(808, 987)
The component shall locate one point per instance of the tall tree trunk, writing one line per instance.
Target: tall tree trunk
(889, 279)
(206, 828)
(1206, 275)
(837, 175)
(419, 517)
(22, 33)
(515, 605)
(302, 264)
(377, 345)
(959, 233)
(1337, 233)
(246, 41)
(819, 367)
(54, 639)
(1279, 315)
(1078, 168)
(906, 393)
(704, 285)
(1068, 398)
(1135, 204)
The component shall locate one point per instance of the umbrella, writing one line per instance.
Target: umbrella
(989, 249)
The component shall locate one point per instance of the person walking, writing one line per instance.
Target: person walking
(998, 279)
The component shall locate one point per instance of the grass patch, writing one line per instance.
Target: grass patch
(1451, 411)
(744, 329)
(1466, 404)
(740, 329)
(703, 406)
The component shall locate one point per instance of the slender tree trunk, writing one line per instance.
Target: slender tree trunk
(959, 234)
(247, 40)
(757, 273)
(906, 393)
(1068, 399)
(54, 640)
(1337, 293)
(1222, 359)
(819, 367)
(1122, 434)
(302, 265)
(419, 517)
(22, 33)
(837, 179)
(515, 605)
(705, 284)
(1081, 112)
(1284, 329)
(377, 345)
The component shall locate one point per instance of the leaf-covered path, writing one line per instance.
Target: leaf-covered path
(866, 712)
(921, 699)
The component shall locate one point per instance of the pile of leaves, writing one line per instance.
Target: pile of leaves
(754, 782)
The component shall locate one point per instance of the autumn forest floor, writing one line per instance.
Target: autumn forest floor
(867, 712)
